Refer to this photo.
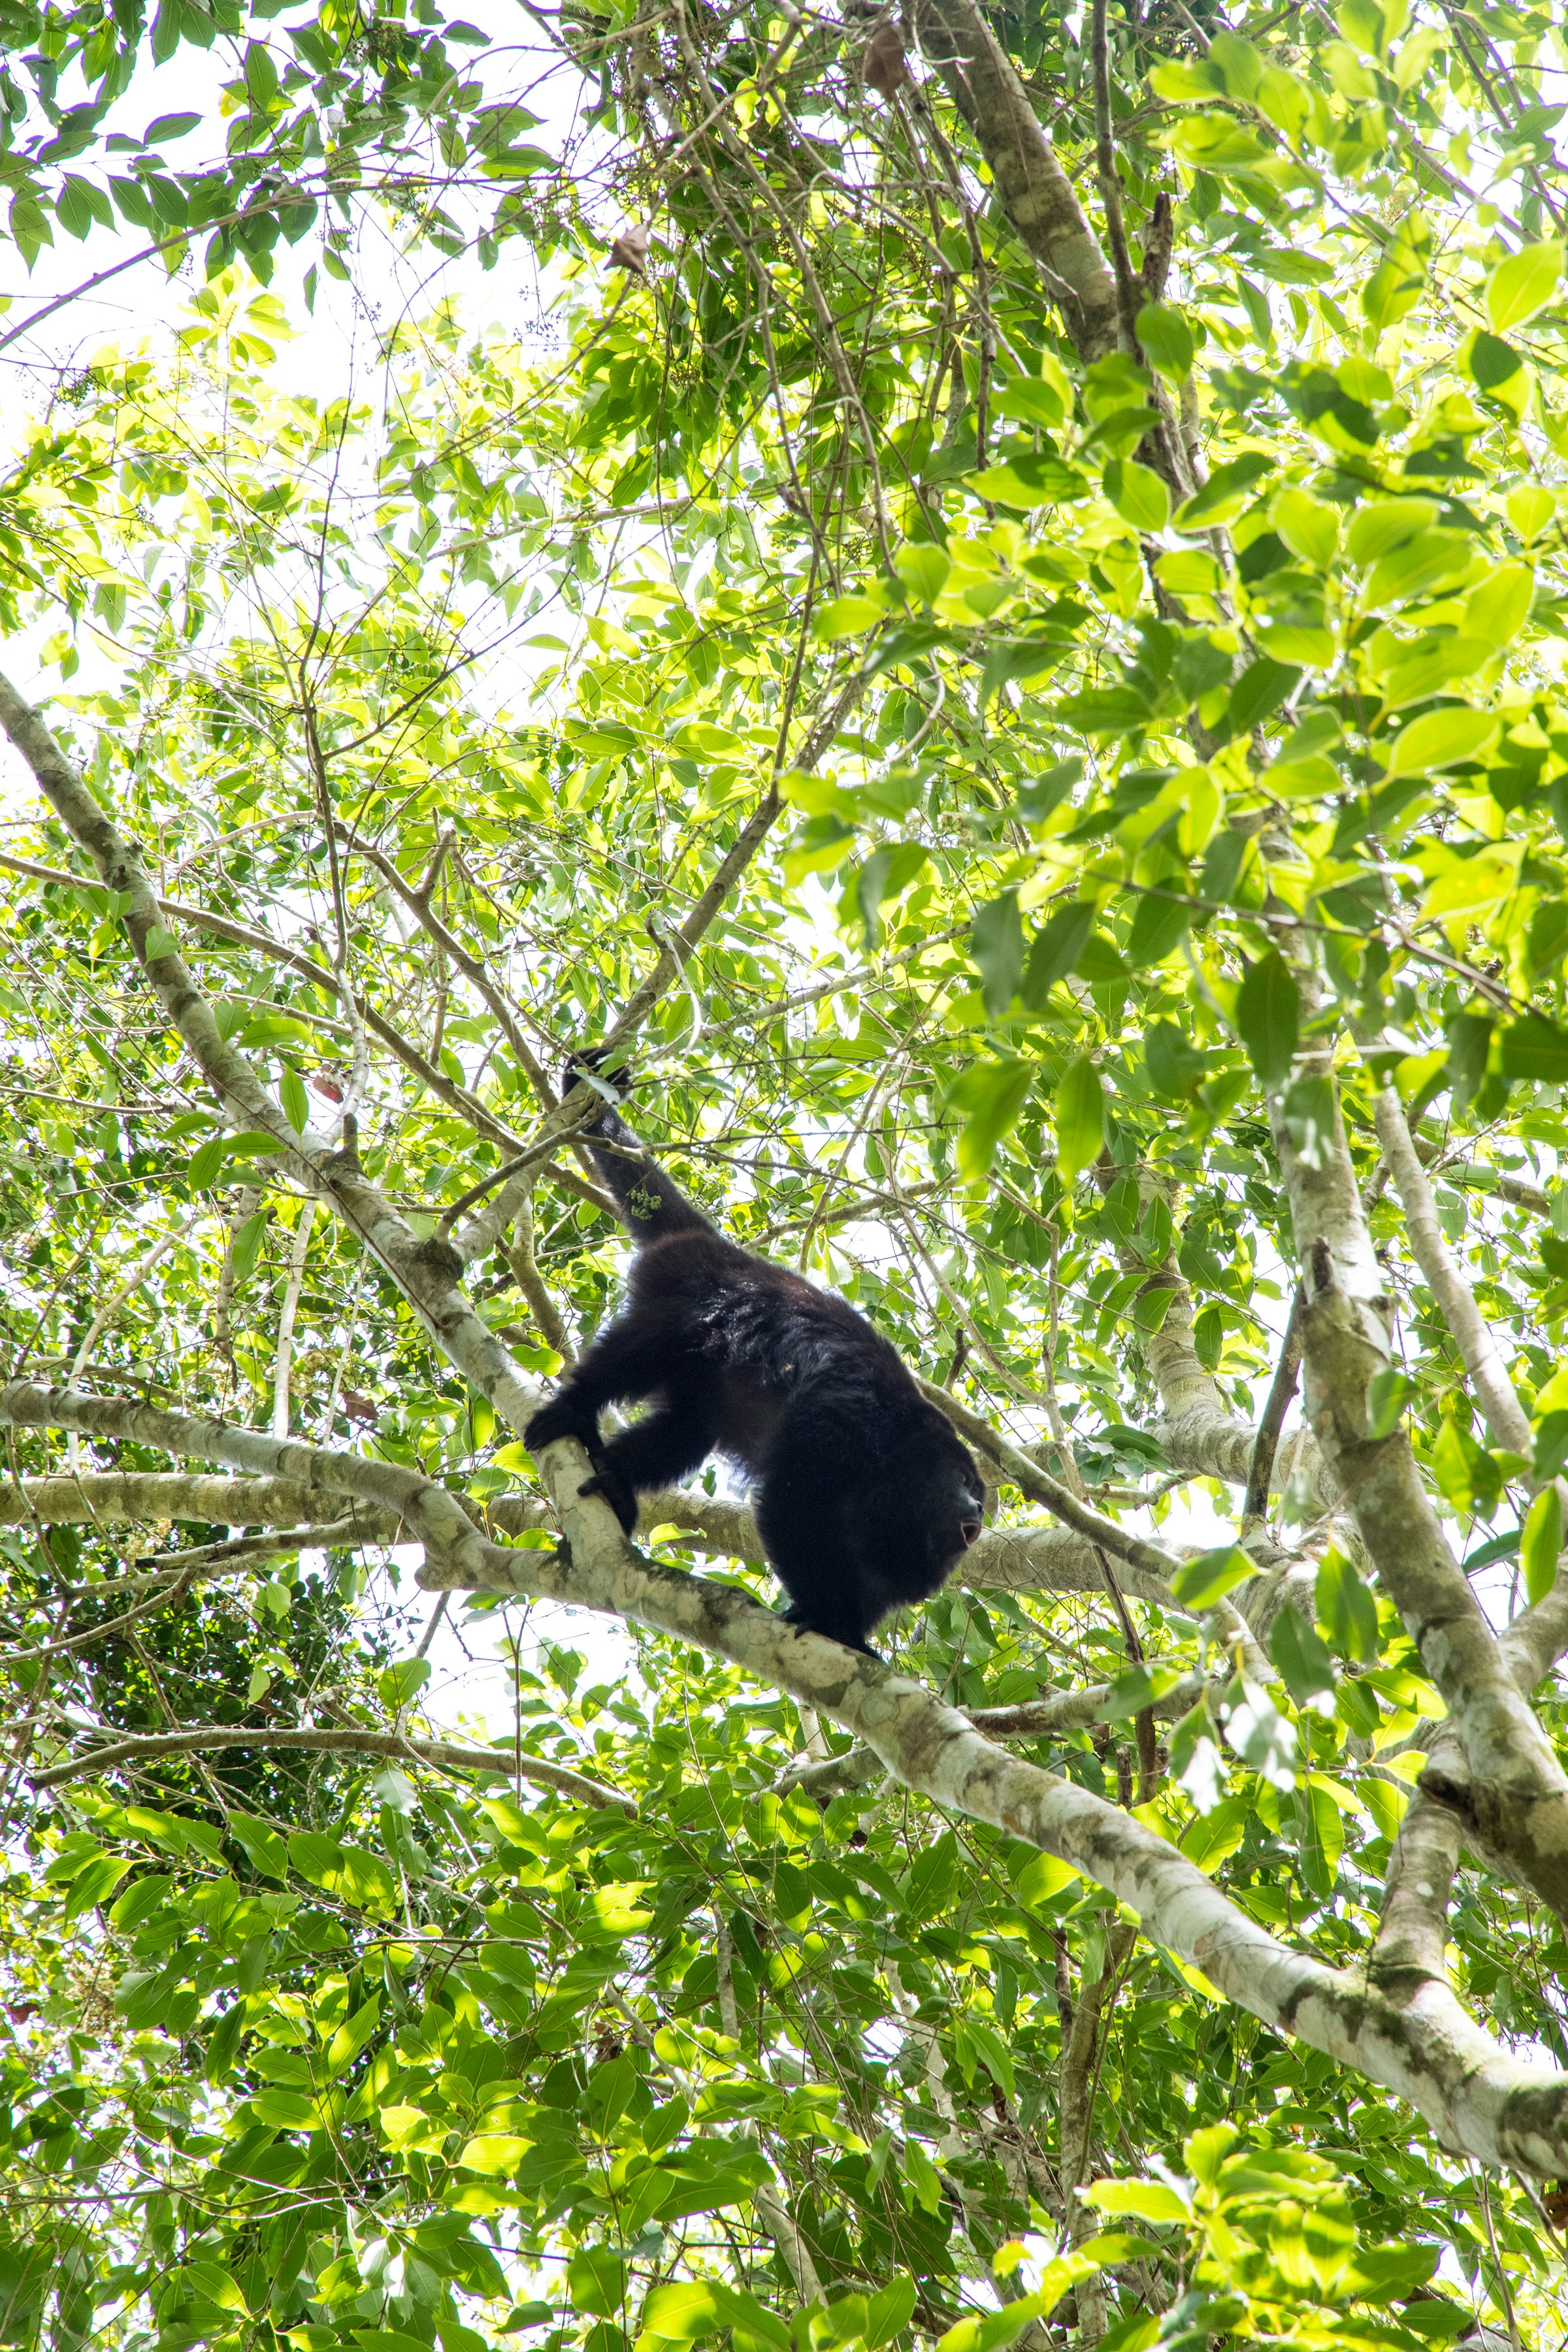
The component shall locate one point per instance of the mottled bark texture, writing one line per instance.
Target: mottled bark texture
(1504, 1779)
(1036, 195)
(1506, 1418)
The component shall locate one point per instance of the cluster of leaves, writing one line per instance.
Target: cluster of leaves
(457, 2064)
(443, 699)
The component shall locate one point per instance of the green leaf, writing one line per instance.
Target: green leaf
(990, 1095)
(596, 2281)
(1148, 2200)
(216, 1154)
(1259, 692)
(1139, 1688)
(924, 569)
(1309, 528)
(95, 1884)
(676, 2312)
(1541, 1543)
(1377, 527)
(1346, 1610)
(1441, 740)
(997, 944)
(396, 1684)
(295, 1101)
(889, 2311)
(1226, 492)
(1043, 1879)
(1054, 949)
(287, 2110)
(1535, 1049)
(1167, 341)
(1301, 1656)
(1198, 1583)
(1027, 481)
(1159, 925)
(1550, 1448)
(315, 1857)
(1388, 1393)
(887, 874)
(1521, 284)
(247, 1248)
(847, 616)
(351, 2036)
(140, 1900)
(1137, 493)
(1268, 1014)
(1080, 1118)
(1498, 607)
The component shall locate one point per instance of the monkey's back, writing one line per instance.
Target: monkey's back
(772, 1337)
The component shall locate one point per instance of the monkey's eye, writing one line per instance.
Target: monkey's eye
(971, 1531)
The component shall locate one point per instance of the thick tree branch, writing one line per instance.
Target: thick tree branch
(125, 1497)
(1424, 2048)
(1516, 1796)
(1036, 195)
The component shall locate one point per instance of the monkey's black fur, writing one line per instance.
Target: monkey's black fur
(865, 1497)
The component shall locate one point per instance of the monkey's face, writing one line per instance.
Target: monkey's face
(932, 1511)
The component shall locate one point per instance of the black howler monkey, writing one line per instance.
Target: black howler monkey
(865, 1497)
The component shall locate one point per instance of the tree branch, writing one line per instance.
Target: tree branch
(1425, 2050)
(245, 935)
(1127, 291)
(1282, 1389)
(505, 1763)
(1516, 1795)
(1505, 1416)
(1036, 192)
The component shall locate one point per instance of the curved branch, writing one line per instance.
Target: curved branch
(1423, 2047)
(1036, 195)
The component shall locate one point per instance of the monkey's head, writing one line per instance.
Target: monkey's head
(930, 1508)
(590, 1058)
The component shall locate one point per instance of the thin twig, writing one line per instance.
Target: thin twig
(443, 1753)
(1127, 289)
(1266, 1444)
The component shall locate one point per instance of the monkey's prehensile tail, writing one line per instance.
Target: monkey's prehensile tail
(652, 1206)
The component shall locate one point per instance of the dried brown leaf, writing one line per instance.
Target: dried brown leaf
(629, 249)
(885, 66)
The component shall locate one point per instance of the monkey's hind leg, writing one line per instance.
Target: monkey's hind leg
(669, 1445)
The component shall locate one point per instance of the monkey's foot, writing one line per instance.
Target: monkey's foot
(618, 1495)
(845, 1640)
